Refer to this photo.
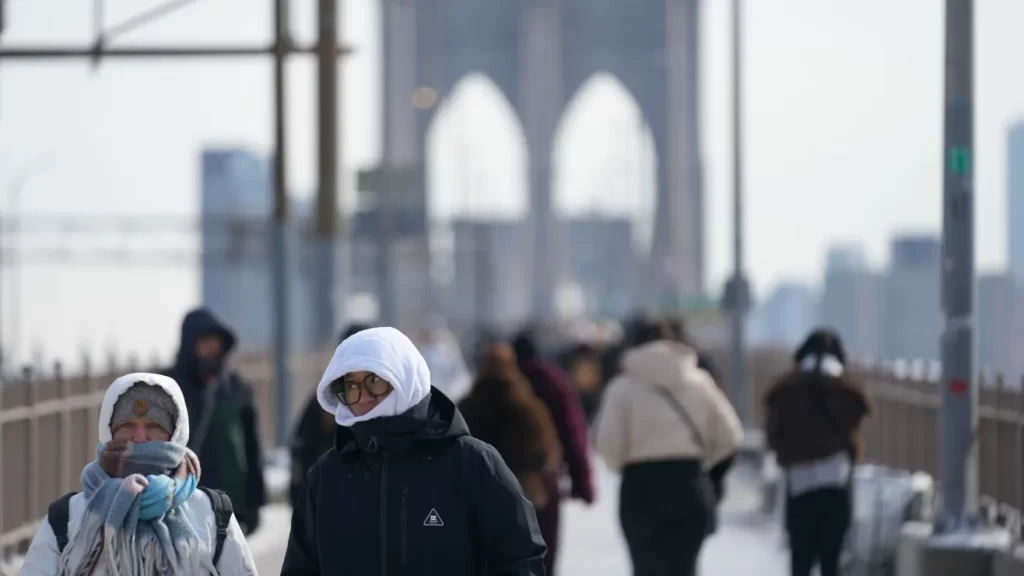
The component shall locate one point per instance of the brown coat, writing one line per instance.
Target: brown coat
(799, 430)
(503, 411)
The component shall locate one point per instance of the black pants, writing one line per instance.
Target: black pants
(665, 509)
(817, 523)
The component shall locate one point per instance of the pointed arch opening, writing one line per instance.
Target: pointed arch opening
(604, 188)
(476, 165)
(606, 159)
(476, 172)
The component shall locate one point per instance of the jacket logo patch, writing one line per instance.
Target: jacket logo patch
(433, 519)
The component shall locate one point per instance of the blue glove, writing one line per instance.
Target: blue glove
(157, 498)
(183, 490)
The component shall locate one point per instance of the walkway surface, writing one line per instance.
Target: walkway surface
(745, 544)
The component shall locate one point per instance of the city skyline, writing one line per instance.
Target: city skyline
(842, 133)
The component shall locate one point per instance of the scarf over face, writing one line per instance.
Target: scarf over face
(137, 517)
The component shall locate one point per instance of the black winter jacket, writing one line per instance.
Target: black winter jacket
(413, 495)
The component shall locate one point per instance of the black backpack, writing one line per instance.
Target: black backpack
(59, 513)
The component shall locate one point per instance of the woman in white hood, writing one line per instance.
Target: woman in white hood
(140, 512)
(406, 491)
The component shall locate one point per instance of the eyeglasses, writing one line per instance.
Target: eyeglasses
(349, 391)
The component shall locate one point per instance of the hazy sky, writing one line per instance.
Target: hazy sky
(843, 123)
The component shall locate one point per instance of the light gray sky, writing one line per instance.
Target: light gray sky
(843, 123)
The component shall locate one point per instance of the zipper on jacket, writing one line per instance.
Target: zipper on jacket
(404, 519)
(383, 512)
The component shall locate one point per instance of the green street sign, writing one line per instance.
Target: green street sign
(960, 161)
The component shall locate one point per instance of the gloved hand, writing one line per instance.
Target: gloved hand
(134, 484)
(157, 498)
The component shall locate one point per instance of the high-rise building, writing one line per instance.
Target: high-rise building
(236, 248)
(491, 285)
(850, 300)
(786, 316)
(1015, 201)
(603, 265)
(911, 309)
(995, 334)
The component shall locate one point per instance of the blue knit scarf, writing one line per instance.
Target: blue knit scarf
(111, 533)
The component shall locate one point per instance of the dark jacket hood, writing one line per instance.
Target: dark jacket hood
(198, 323)
(433, 418)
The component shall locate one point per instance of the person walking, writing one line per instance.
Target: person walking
(406, 490)
(664, 424)
(813, 419)
(502, 410)
(139, 511)
(441, 350)
(551, 385)
(225, 432)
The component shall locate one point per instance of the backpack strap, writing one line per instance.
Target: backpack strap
(58, 516)
(223, 512)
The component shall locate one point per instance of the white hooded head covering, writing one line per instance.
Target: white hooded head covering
(180, 434)
(387, 353)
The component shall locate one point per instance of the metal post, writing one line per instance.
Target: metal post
(279, 270)
(739, 305)
(385, 192)
(959, 412)
(386, 247)
(325, 315)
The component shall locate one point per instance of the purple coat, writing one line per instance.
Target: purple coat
(551, 385)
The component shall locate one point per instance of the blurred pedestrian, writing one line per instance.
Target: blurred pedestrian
(664, 423)
(502, 410)
(582, 363)
(406, 490)
(139, 511)
(314, 433)
(222, 408)
(551, 385)
(814, 415)
(443, 354)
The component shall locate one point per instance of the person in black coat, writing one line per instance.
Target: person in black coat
(223, 417)
(406, 490)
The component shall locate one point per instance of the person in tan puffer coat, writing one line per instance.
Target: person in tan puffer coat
(665, 425)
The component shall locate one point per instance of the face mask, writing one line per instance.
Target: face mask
(210, 366)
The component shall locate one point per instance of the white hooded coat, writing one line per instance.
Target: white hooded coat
(387, 353)
(43, 558)
(636, 424)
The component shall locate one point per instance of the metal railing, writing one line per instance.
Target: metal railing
(48, 432)
(48, 428)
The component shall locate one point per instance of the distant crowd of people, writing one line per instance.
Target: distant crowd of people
(409, 460)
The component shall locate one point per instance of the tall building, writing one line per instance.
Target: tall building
(491, 285)
(603, 265)
(846, 257)
(235, 203)
(911, 309)
(850, 301)
(1015, 201)
(786, 315)
(995, 334)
